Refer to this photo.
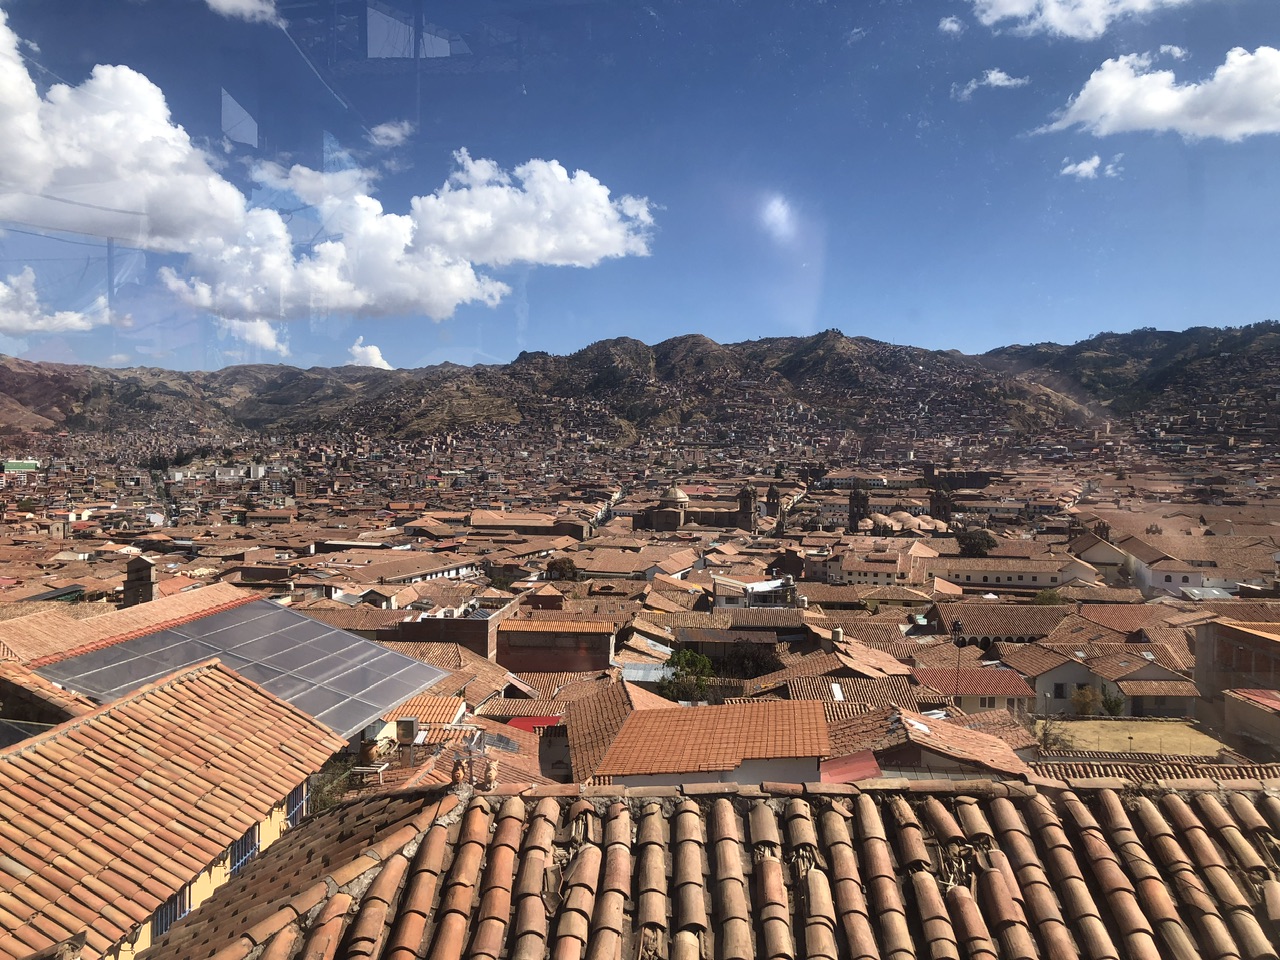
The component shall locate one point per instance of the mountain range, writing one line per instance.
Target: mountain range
(853, 383)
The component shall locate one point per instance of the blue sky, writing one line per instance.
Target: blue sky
(959, 174)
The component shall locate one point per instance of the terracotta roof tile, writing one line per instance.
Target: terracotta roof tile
(693, 739)
(878, 692)
(428, 709)
(110, 797)
(976, 682)
(996, 620)
(41, 639)
(593, 722)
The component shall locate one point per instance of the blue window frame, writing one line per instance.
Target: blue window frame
(296, 806)
(244, 849)
(170, 912)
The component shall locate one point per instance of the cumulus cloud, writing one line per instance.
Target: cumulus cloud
(105, 158)
(256, 333)
(539, 213)
(996, 78)
(1076, 19)
(367, 355)
(22, 313)
(1083, 170)
(1169, 50)
(390, 134)
(1124, 95)
(778, 218)
(257, 11)
(952, 26)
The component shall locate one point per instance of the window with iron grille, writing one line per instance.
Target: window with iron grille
(170, 912)
(244, 849)
(296, 806)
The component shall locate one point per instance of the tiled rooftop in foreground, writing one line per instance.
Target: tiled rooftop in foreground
(886, 869)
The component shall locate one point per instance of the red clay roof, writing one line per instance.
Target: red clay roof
(729, 870)
(428, 709)
(975, 682)
(106, 816)
(1157, 688)
(593, 722)
(45, 638)
(694, 739)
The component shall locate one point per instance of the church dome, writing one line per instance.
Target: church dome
(674, 494)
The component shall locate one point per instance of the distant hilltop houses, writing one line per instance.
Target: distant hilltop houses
(542, 688)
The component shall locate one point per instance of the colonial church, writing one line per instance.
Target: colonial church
(674, 510)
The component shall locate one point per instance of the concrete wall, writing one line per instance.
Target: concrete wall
(974, 704)
(1069, 675)
(541, 651)
(1252, 722)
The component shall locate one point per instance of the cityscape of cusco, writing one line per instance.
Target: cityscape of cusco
(851, 533)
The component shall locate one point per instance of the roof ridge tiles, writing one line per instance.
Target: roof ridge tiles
(839, 852)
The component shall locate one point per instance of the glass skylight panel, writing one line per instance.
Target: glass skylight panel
(318, 669)
(294, 658)
(349, 717)
(316, 700)
(261, 673)
(355, 680)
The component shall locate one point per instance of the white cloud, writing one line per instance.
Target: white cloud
(1124, 95)
(105, 158)
(390, 134)
(778, 218)
(256, 333)
(952, 26)
(119, 359)
(22, 314)
(996, 78)
(1083, 170)
(1077, 19)
(539, 213)
(1090, 168)
(258, 11)
(1169, 50)
(367, 355)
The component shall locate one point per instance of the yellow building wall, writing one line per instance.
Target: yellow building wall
(210, 879)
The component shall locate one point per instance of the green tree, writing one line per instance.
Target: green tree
(687, 674)
(562, 568)
(1048, 598)
(975, 543)
(1112, 701)
(748, 660)
(1085, 701)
